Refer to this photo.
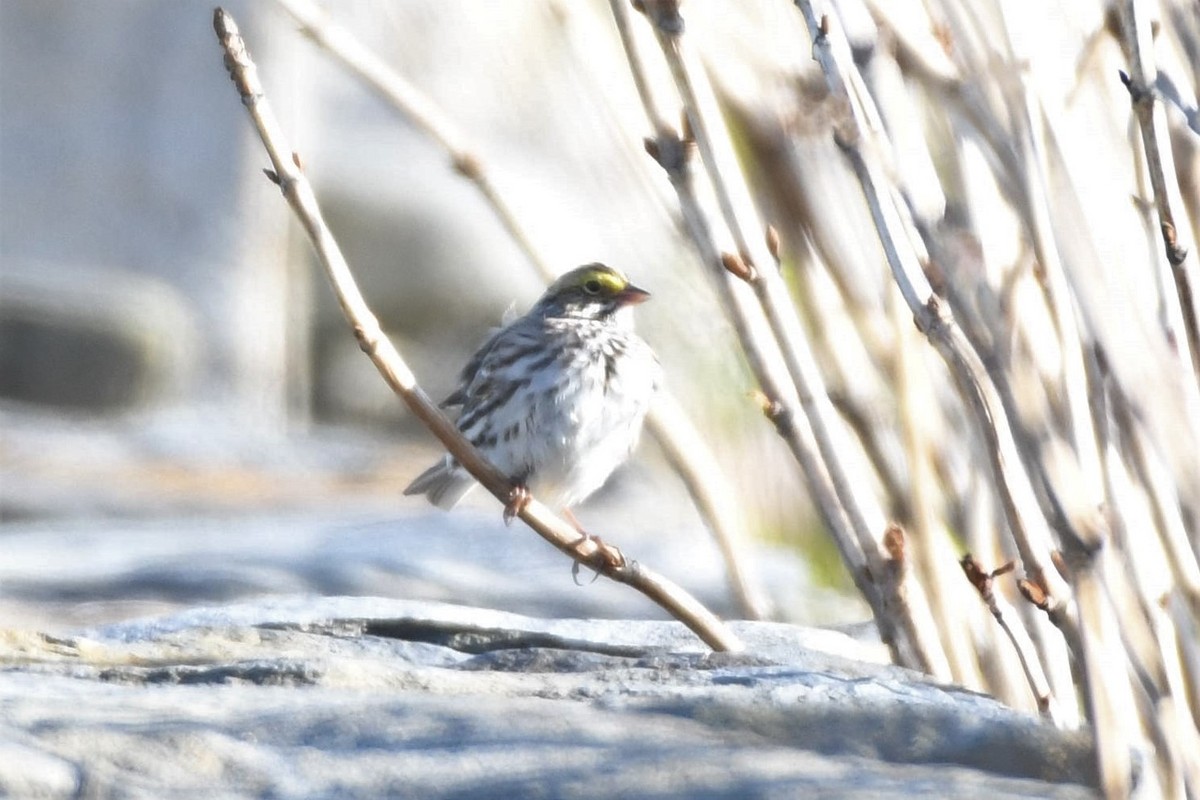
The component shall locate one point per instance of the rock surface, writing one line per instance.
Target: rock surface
(361, 697)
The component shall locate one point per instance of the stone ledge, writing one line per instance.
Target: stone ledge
(368, 697)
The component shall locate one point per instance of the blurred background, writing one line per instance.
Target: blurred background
(184, 415)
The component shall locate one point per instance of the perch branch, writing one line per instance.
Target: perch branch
(684, 447)
(288, 175)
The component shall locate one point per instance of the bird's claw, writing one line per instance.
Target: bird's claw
(518, 499)
(605, 557)
(575, 574)
(585, 537)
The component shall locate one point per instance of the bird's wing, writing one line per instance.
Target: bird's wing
(498, 371)
(459, 396)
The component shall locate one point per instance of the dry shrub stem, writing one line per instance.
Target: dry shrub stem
(1111, 625)
(1179, 309)
(983, 581)
(780, 402)
(933, 319)
(772, 337)
(287, 174)
(1140, 81)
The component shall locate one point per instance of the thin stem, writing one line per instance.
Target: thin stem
(1156, 146)
(854, 518)
(762, 274)
(779, 402)
(983, 582)
(933, 318)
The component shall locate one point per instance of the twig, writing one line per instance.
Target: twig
(418, 109)
(779, 401)
(902, 591)
(288, 175)
(1179, 309)
(755, 262)
(982, 580)
(1140, 81)
(1156, 147)
(1106, 687)
(933, 319)
(667, 421)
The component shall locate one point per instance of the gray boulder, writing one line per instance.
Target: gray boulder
(364, 697)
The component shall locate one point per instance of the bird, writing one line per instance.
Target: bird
(556, 398)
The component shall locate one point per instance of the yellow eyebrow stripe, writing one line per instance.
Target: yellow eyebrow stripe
(607, 277)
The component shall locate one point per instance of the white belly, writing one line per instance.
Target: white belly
(581, 427)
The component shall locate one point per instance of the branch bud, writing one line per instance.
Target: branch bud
(773, 242)
(736, 266)
(467, 165)
(893, 542)
(1034, 594)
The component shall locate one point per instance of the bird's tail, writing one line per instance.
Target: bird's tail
(445, 483)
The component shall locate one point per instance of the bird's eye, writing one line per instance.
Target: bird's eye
(592, 286)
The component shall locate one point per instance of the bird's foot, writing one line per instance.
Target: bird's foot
(603, 556)
(518, 498)
(575, 565)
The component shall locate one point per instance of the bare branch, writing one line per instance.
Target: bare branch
(933, 319)
(900, 605)
(1034, 674)
(1156, 146)
(296, 189)
(779, 401)
(686, 450)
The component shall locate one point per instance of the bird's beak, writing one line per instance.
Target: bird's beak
(632, 295)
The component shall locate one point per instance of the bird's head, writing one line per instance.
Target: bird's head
(593, 291)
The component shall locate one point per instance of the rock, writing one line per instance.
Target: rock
(91, 340)
(363, 697)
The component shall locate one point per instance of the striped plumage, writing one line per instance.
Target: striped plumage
(555, 399)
